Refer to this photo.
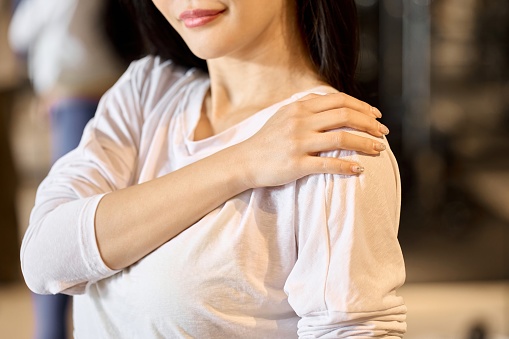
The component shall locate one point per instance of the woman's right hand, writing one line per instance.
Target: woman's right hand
(287, 147)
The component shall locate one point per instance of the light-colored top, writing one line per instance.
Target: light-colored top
(67, 50)
(318, 257)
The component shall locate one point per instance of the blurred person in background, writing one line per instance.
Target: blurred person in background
(76, 49)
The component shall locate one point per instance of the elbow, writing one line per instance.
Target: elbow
(40, 278)
(57, 252)
(35, 271)
(40, 267)
(51, 262)
(34, 282)
(36, 285)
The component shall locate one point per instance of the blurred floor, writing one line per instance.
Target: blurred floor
(436, 310)
(16, 318)
(468, 310)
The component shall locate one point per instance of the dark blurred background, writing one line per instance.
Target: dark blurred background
(439, 72)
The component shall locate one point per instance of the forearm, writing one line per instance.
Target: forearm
(132, 222)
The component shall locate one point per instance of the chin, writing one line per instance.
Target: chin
(205, 55)
(208, 52)
(209, 46)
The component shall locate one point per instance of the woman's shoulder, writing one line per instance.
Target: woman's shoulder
(153, 72)
(151, 79)
(150, 65)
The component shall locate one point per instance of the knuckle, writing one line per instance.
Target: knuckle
(324, 165)
(341, 167)
(339, 138)
(299, 163)
(293, 164)
(284, 111)
(366, 146)
(367, 107)
(343, 115)
(341, 99)
(296, 109)
(374, 125)
(369, 147)
(329, 165)
(284, 108)
(309, 96)
(292, 125)
(299, 105)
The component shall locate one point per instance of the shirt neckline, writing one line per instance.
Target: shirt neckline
(235, 133)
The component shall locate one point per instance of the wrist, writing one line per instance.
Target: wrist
(235, 162)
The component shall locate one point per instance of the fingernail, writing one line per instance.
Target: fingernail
(357, 169)
(382, 128)
(376, 111)
(379, 146)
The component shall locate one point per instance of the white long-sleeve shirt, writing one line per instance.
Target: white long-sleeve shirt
(318, 257)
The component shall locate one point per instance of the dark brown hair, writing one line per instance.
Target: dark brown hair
(329, 29)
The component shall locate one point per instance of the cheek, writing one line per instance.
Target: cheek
(162, 6)
(166, 9)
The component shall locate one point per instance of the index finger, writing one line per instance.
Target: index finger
(330, 101)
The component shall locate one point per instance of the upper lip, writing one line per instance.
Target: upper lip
(198, 13)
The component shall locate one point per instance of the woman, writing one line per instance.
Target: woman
(194, 206)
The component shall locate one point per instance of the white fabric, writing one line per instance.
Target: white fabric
(318, 257)
(65, 44)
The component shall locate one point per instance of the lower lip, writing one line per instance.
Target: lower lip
(200, 21)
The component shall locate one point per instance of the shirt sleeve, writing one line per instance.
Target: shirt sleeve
(59, 252)
(349, 264)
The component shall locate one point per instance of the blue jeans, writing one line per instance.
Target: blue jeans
(68, 119)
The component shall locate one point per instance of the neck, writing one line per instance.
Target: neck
(245, 82)
(238, 83)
